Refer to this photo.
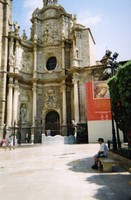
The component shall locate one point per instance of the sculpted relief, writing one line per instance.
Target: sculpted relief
(51, 99)
(26, 62)
(50, 33)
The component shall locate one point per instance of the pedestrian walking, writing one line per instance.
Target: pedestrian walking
(4, 143)
(11, 142)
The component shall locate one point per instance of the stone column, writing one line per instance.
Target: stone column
(9, 103)
(76, 101)
(64, 103)
(35, 57)
(34, 104)
(33, 113)
(63, 56)
(15, 101)
(64, 123)
(3, 70)
(11, 53)
(35, 44)
(17, 57)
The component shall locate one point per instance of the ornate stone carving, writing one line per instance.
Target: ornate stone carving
(50, 34)
(51, 99)
(26, 62)
(39, 105)
(24, 96)
(40, 61)
(11, 60)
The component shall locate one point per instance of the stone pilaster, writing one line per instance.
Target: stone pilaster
(35, 57)
(4, 12)
(64, 103)
(17, 57)
(34, 105)
(11, 53)
(9, 103)
(76, 101)
(15, 101)
(63, 55)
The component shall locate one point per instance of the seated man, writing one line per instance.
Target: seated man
(101, 153)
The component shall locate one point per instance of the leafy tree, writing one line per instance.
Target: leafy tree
(124, 86)
(120, 91)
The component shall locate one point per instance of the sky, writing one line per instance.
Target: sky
(108, 20)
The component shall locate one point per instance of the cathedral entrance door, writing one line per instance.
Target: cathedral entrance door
(52, 123)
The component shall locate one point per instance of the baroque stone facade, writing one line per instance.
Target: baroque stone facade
(43, 78)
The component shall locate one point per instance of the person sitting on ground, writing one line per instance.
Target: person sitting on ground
(101, 153)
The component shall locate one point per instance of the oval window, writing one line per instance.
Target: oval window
(51, 63)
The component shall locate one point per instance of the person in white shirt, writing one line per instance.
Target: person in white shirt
(101, 153)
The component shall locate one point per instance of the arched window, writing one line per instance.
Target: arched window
(51, 63)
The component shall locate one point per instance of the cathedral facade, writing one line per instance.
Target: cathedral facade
(42, 78)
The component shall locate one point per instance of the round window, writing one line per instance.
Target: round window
(51, 63)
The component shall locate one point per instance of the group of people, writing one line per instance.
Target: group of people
(8, 142)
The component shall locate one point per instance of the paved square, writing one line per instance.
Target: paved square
(59, 172)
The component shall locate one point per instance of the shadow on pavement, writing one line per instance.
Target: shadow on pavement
(114, 186)
(84, 165)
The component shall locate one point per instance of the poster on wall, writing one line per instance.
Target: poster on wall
(98, 101)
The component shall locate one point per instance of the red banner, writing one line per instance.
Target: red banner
(98, 101)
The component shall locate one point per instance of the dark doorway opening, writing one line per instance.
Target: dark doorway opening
(52, 123)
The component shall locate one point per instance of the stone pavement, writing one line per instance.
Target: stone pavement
(59, 172)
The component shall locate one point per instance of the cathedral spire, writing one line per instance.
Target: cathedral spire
(49, 2)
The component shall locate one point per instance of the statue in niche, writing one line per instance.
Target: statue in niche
(23, 113)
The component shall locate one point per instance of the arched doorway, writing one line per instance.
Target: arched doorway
(52, 123)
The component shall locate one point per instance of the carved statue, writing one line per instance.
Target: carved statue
(23, 113)
(55, 1)
(11, 60)
(24, 37)
(46, 2)
(16, 28)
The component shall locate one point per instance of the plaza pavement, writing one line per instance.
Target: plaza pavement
(59, 172)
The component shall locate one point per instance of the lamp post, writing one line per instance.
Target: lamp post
(111, 63)
(14, 133)
(41, 123)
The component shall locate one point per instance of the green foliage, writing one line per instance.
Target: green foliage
(120, 92)
(82, 136)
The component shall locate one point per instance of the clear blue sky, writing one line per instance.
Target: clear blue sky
(109, 21)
